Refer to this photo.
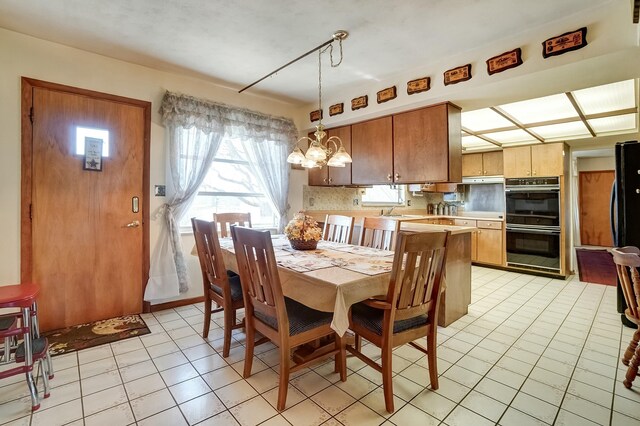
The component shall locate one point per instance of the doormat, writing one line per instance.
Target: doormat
(596, 266)
(95, 333)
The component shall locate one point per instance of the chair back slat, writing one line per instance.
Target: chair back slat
(209, 254)
(416, 276)
(379, 233)
(338, 228)
(259, 272)
(225, 220)
(627, 260)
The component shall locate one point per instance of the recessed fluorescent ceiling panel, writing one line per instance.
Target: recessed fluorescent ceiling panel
(476, 143)
(484, 119)
(510, 136)
(548, 108)
(613, 124)
(571, 130)
(609, 97)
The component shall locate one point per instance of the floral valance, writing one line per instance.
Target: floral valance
(179, 110)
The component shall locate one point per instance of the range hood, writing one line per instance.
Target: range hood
(482, 179)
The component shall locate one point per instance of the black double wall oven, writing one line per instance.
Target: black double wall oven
(533, 223)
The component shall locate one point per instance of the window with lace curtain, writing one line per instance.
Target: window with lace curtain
(230, 186)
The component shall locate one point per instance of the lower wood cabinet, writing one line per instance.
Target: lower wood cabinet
(486, 242)
(490, 246)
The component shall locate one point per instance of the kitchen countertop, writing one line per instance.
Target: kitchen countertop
(406, 215)
(425, 227)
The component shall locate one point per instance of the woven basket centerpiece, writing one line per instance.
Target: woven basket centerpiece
(303, 232)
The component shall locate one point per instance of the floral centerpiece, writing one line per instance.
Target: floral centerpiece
(303, 232)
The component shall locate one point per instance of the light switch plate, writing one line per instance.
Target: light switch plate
(160, 190)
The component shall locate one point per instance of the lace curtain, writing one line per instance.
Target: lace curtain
(195, 129)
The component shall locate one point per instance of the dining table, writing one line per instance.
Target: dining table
(330, 278)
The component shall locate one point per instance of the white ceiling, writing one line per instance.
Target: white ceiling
(237, 42)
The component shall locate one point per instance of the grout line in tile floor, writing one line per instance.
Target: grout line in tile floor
(519, 305)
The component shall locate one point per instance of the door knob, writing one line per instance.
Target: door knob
(133, 224)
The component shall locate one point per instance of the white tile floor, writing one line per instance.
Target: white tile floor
(531, 351)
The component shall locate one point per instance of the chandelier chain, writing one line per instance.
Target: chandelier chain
(333, 65)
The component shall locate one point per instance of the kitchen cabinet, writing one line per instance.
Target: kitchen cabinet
(534, 161)
(489, 244)
(333, 176)
(372, 152)
(427, 145)
(482, 164)
(474, 236)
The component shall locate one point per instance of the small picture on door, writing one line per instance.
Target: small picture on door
(92, 154)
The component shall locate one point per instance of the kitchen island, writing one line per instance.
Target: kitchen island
(455, 300)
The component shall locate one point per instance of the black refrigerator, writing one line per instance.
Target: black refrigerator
(625, 205)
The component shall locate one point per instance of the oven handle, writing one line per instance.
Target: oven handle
(534, 231)
(532, 189)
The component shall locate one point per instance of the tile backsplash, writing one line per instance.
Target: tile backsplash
(339, 198)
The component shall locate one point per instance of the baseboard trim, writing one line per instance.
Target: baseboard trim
(176, 303)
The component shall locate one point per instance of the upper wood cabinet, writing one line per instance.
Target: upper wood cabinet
(372, 152)
(534, 160)
(482, 164)
(338, 176)
(427, 145)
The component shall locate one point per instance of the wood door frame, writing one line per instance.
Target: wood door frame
(26, 242)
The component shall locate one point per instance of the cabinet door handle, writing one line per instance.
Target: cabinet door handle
(485, 172)
(534, 172)
(330, 180)
(389, 177)
(528, 172)
(324, 180)
(397, 176)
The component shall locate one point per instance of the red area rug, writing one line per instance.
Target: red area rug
(596, 266)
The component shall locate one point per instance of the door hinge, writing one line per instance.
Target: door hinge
(31, 115)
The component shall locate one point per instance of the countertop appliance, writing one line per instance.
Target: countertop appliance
(533, 223)
(625, 205)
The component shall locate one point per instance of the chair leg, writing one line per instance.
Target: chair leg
(229, 321)
(45, 378)
(433, 360)
(284, 377)
(248, 351)
(207, 316)
(28, 360)
(387, 376)
(358, 342)
(632, 372)
(631, 348)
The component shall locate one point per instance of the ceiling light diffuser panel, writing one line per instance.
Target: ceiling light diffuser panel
(484, 119)
(511, 136)
(609, 97)
(571, 130)
(474, 142)
(618, 123)
(548, 108)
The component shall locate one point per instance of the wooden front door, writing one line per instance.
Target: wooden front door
(595, 190)
(84, 235)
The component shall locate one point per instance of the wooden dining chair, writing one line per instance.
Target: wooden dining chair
(627, 260)
(220, 286)
(379, 233)
(338, 228)
(410, 309)
(225, 220)
(284, 321)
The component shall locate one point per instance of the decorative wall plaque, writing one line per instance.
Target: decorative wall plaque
(386, 94)
(504, 61)
(92, 154)
(573, 40)
(359, 102)
(315, 115)
(456, 75)
(336, 109)
(418, 85)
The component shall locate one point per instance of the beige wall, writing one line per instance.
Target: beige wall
(586, 164)
(30, 57)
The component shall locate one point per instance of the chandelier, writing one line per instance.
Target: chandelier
(322, 152)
